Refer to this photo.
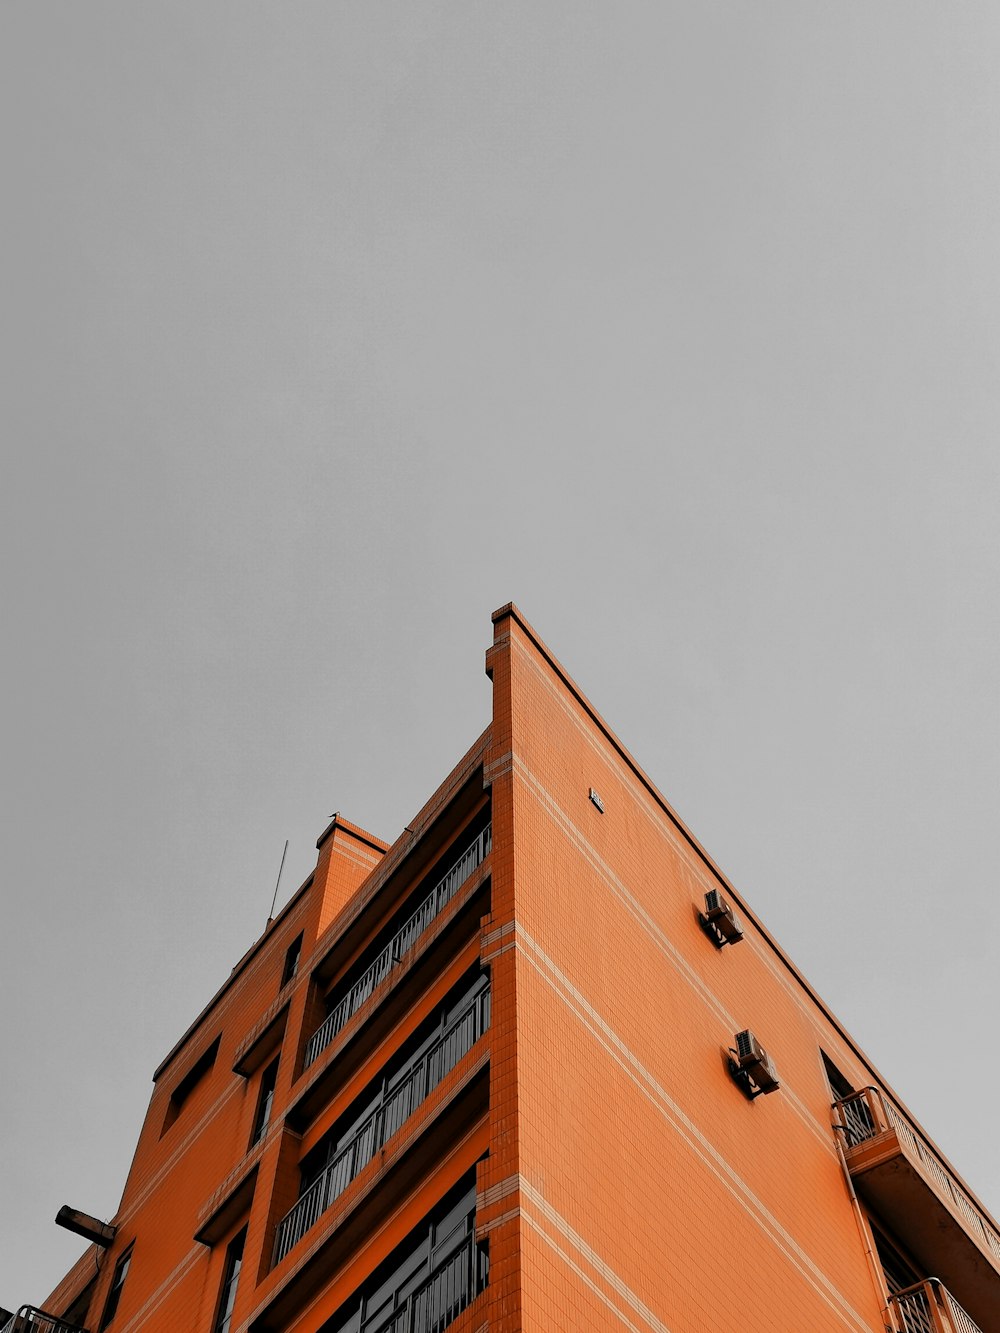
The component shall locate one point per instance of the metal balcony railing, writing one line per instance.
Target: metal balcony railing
(29, 1319)
(455, 1283)
(405, 936)
(929, 1307)
(372, 1135)
(868, 1113)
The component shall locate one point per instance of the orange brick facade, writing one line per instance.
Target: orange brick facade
(529, 964)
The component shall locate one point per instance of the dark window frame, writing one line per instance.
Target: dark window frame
(265, 1101)
(117, 1286)
(408, 1266)
(230, 1282)
(293, 957)
(465, 992)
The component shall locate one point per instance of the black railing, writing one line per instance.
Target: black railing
(372, 1134)
(454, 1284)
(373, 975)
(29, 1319)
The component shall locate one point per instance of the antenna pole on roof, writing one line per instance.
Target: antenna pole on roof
(274, 900)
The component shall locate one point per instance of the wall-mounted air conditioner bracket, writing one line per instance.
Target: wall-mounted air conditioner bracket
(719, 922)
(742, 1079)
(751, 1067)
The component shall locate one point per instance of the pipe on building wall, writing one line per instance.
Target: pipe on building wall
(874, 1265)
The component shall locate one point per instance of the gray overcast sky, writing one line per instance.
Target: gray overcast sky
(331, 327)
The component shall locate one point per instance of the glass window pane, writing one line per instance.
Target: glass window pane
(230, 1281)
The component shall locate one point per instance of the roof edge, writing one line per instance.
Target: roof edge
(338, 822)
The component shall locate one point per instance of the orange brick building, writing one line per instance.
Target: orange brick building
(533, 1066)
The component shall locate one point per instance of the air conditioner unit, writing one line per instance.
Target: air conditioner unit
(754, 1063)
(719, 922)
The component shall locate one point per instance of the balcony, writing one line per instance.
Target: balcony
(31, 1320)
(440, 1299)
(414, 926)
(928, 1307)
(904, 1181)
(372, 1135)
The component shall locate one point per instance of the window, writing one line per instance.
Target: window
(115, 1294)
(839, 1085)
(429, 1279)
(77, 1312)
(291, 961)
(188, 1083)
(265, 1101)
(230, 1281)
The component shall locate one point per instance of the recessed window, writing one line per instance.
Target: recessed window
(292, 957)
(265, 1102)
(839, 1085)
(77, 1312)
(230, 1281)
(115, 1294)
(188, 1083)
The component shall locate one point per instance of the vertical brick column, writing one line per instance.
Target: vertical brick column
(498, 1201)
